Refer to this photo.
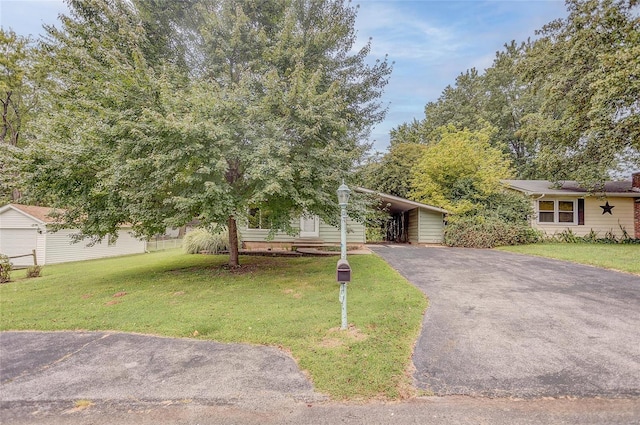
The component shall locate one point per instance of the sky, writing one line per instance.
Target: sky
(430, 42)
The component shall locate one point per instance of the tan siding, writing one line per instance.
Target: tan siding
(431, 226)
(414, 222)
(60, 248)
(260, 235)
(12, 219)
(593, 217)
(330, 234)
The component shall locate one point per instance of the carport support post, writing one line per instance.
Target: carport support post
(343, 199)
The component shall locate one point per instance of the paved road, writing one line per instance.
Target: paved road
(502, 324)
(499, 325)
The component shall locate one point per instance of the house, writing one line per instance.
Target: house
(409, 221)
(24, 228)
(570, 207)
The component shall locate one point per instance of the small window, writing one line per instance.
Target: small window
(557, 212)
(546, 211)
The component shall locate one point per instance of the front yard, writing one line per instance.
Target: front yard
(290, 303)
(621, 257)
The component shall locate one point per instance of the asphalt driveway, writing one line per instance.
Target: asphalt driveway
(502, 324)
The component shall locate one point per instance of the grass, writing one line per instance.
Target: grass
(291, 303)
(621, 257)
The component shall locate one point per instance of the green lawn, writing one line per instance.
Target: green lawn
(622, 257)
(290, 303)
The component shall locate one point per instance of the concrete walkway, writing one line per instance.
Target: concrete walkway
(509, 325)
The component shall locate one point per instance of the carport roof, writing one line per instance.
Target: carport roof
(397, 204)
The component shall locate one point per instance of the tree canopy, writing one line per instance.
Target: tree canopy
(18, 100)
(232, 105)
(565, 106)
(587, 70)
(459, 170)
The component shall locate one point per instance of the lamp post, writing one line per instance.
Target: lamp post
(343, 200)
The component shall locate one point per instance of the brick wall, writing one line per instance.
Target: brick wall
(635, 182)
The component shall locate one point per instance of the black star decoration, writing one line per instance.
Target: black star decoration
(606, 208)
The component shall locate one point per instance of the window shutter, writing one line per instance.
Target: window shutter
(581, 212)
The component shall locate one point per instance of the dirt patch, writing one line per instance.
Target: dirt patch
(112, 302)
(337, 337)
(119, 294)
(86, 296)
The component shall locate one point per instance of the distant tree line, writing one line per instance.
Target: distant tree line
(565, 106)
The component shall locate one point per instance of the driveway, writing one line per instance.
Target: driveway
(502, 324)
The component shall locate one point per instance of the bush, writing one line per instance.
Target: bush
(34, 271)
(488, 232)
(5, 269)
(567, 236)
(203, 240)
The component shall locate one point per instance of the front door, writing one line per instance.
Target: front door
(309, 227)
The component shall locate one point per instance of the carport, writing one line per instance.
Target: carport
(409, 221)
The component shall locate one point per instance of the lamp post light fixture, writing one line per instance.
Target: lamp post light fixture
(343, 200)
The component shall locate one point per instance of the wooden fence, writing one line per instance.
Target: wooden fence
(33, 254)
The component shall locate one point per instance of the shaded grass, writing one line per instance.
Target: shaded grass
(290, 303)
(621, 257)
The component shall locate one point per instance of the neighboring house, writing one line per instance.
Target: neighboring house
(570, 207)
(419, 223)
(25, 228)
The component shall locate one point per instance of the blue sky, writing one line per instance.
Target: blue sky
(431, 42)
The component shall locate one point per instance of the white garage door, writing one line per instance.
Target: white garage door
(18, 242)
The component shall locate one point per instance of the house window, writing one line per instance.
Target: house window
(557, 212)
(258, 219)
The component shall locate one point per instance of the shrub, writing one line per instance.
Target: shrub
(34, 271)
(203, 240)
(567, 236)
(488, 232)
(5, 269)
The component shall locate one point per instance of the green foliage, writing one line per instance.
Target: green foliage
(586, 68)
(488, 232)
(281, 302)
(497, 98)
(202, 239)
(5, 269)
(267, 107)
(18, 101)
(391, 173)
(568, 236)
(34, 271)
(459, 170)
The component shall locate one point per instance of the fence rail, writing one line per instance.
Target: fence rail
(33, 254)
(162, 244)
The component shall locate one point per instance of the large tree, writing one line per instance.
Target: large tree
(263, 105)
(587, 69)
(498, 97)
(391, 173)
(460, 170)
(18, 99)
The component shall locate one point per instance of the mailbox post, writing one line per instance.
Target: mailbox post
(343, 270)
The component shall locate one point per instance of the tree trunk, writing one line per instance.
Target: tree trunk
(233, 242)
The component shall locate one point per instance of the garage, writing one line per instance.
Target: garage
(27, 228)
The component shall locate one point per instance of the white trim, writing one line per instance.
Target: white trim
(316, 227)
(556, 212)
